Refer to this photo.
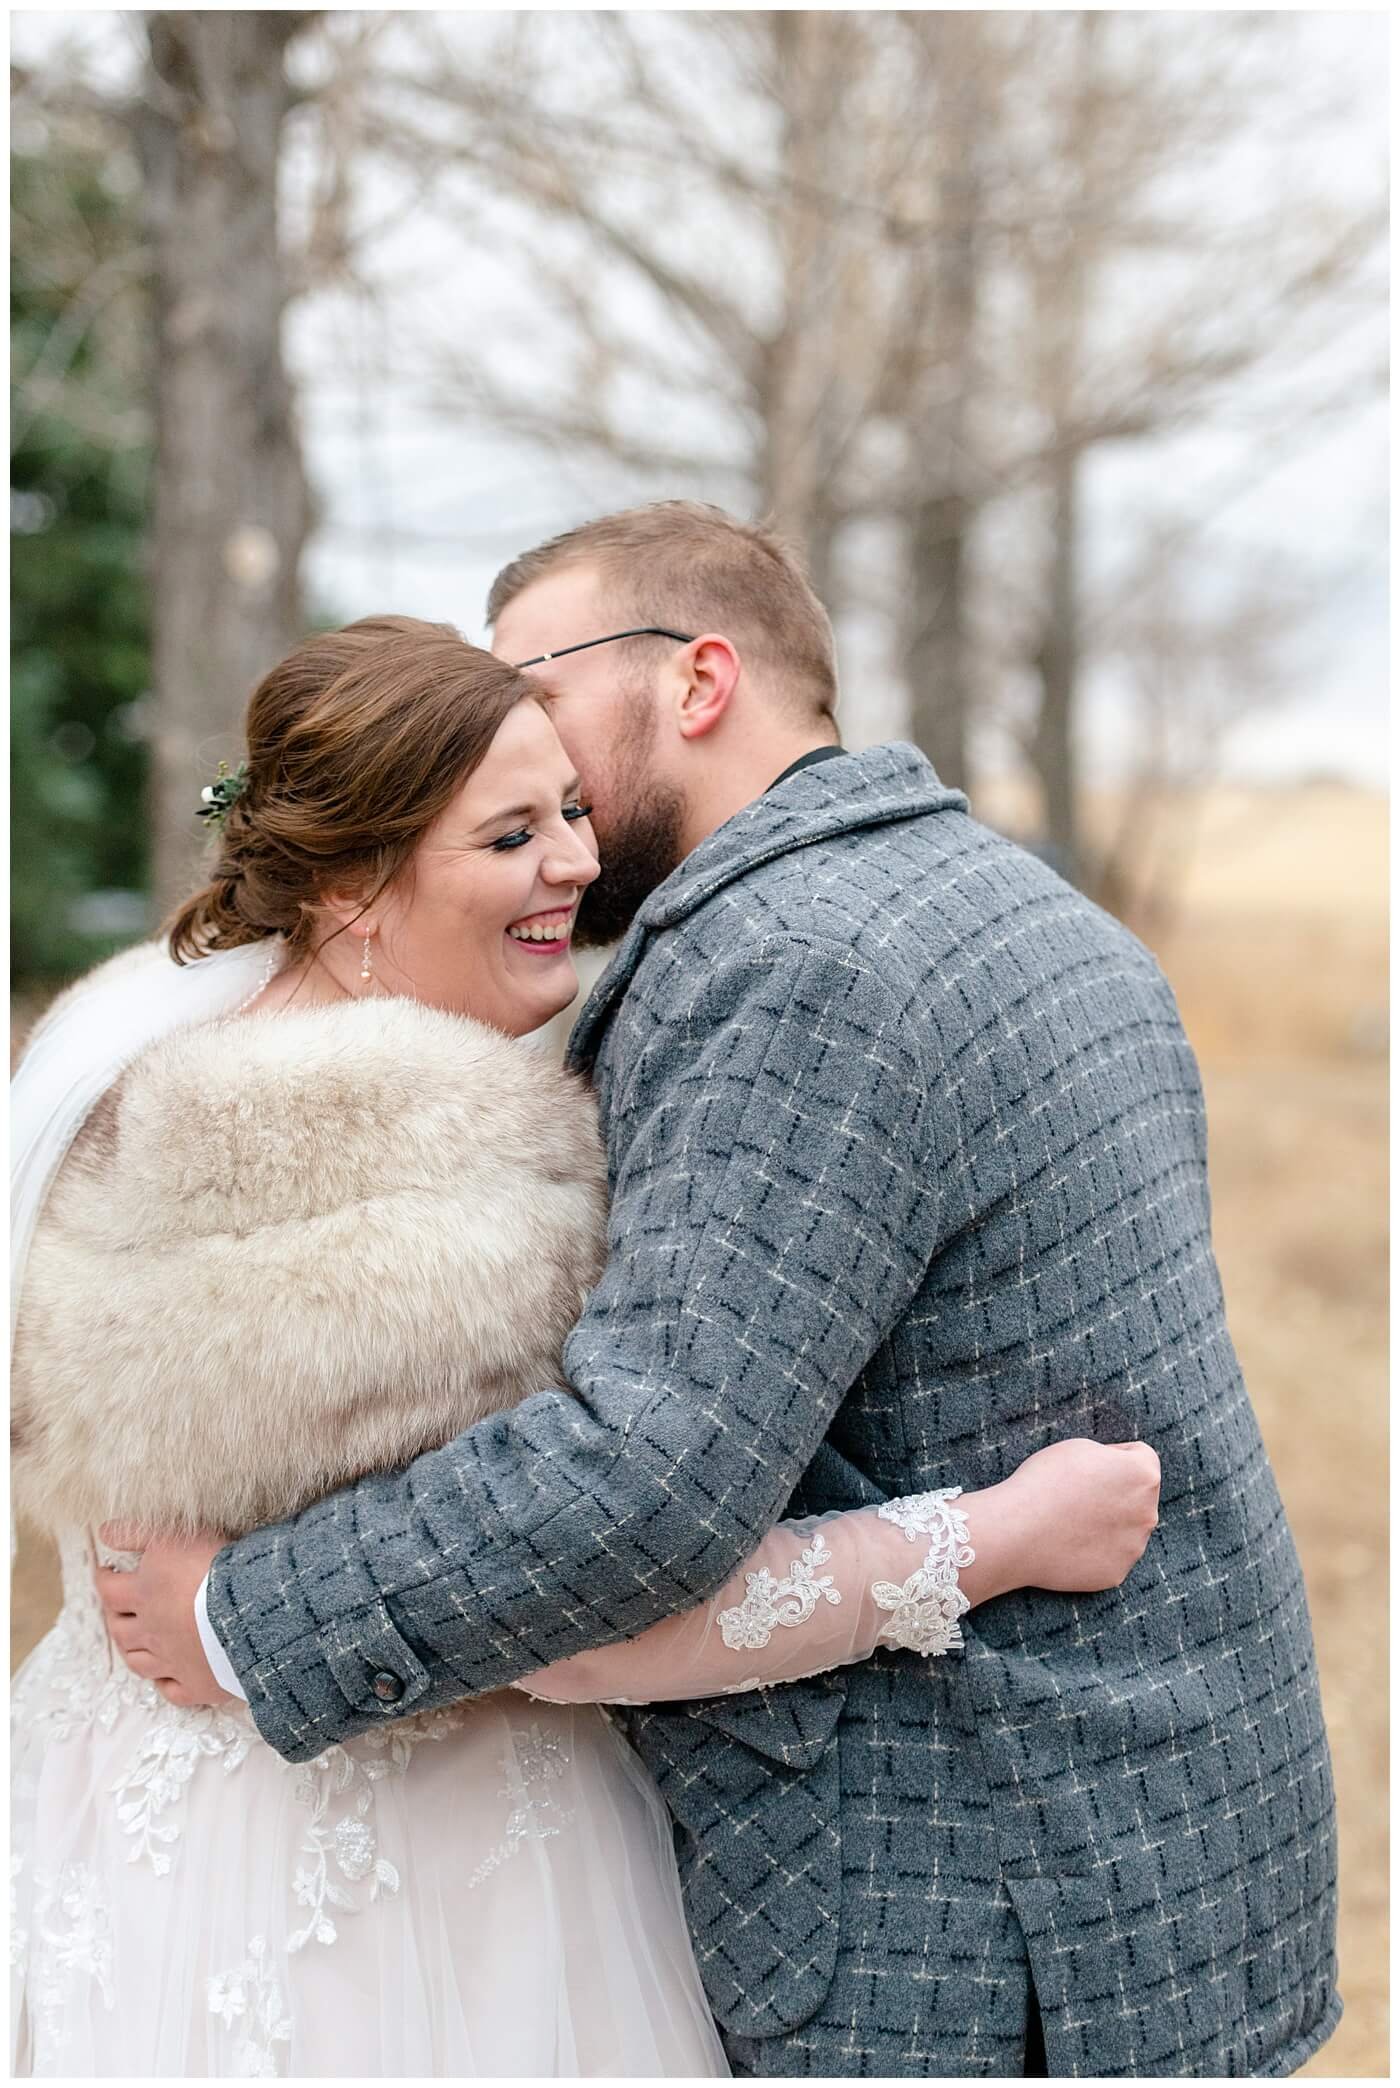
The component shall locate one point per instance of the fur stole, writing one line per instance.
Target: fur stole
(284, 1252)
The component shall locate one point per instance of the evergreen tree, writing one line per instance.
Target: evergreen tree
(80, 649)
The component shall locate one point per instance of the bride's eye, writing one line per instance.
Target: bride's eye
(524, 834)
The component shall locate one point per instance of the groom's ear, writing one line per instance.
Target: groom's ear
(708, 674)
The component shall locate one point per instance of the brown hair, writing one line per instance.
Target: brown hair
(356, 742)
(690, 566)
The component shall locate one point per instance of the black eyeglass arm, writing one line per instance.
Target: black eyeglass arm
(642, 631)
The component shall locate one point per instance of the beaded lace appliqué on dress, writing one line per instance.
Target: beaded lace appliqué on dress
(350, 1845)
(72, 1947)
(536, 1814)
(250, 2004)
(177, 1742)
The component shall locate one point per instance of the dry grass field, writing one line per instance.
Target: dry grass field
(1279, 963)
(1278, 958)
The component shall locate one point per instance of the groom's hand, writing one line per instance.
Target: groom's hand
(150, 1611)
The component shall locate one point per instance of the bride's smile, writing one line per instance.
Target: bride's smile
(543, 935)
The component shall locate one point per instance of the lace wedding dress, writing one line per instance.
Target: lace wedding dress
(487, 1889)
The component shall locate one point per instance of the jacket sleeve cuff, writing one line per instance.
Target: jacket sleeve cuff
(354, 1673)
(221, 1667)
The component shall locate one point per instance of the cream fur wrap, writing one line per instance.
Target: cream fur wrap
(287, 1251)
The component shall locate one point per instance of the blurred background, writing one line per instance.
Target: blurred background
(1056, 340)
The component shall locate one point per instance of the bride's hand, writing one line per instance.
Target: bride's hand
(150, 1611)
(1074, 1518)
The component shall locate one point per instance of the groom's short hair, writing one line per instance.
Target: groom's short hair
(691, 567)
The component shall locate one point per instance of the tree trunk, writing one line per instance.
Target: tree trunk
(941, 499)
(933, 648)
(799, 392)
(231, 510)
(1057, 662)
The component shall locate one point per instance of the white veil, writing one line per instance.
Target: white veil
(80, 1047)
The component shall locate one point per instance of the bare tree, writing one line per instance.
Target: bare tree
(885, 271)
(956, 59)
(720, 181)
(1197, 662)
(902, 268)
(231, 509)
(1143, 315)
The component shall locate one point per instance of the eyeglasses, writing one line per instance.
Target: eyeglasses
(643, 631)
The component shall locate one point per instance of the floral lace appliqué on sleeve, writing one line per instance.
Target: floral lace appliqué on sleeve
(925, 1610)
(771, 1602)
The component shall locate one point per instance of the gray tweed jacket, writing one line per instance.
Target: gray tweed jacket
(909, 1179)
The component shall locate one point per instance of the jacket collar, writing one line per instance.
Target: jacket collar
(876, 788)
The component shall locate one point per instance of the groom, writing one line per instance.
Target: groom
(907, 1158)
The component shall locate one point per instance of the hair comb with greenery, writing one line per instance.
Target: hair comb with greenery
(223, 793)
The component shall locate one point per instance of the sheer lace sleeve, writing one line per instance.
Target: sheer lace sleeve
(817, 1594)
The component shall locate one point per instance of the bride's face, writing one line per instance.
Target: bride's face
(481, 921)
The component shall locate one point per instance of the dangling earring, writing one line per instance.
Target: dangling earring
(366, 964)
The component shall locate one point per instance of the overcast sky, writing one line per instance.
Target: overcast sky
(419, 508)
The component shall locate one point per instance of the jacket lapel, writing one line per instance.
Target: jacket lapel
(587, 1033)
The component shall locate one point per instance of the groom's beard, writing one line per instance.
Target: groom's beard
(637, 856)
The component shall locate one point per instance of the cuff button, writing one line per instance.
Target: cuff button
(388, 1688)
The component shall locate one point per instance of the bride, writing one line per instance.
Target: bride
(294, 1200)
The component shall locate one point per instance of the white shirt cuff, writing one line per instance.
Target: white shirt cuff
(213, 1645)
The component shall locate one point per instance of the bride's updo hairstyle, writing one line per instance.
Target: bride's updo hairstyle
(356, 742)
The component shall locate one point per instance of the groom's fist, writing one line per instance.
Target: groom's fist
(149, 1608)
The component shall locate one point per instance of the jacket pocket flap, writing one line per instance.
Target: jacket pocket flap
(758, 1843)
